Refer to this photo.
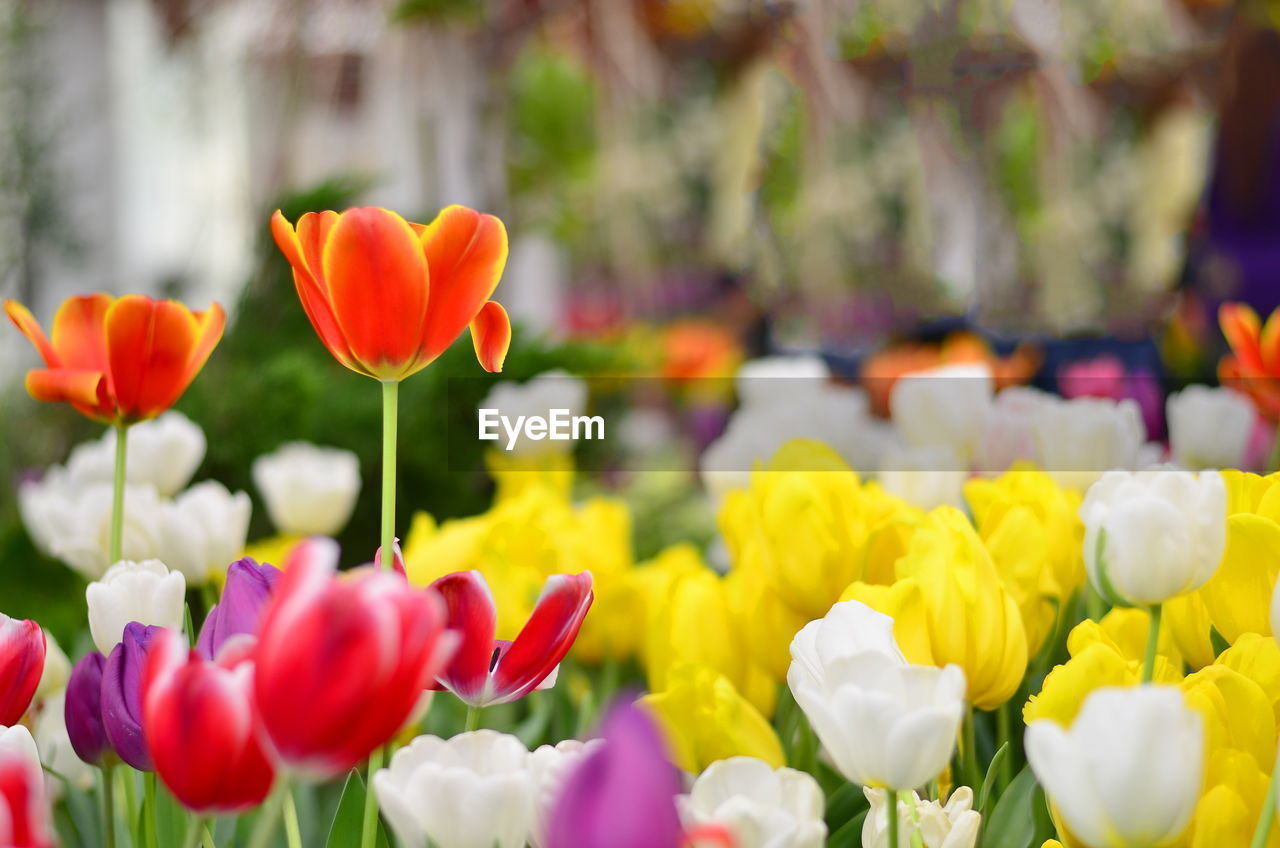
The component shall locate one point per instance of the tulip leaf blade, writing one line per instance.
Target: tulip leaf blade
(850, 835)
(993, 769)
(349, 817)
(1012, 824)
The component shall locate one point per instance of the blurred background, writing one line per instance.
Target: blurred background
(686, 184)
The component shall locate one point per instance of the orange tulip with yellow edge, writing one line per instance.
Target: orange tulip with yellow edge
(1253, 366)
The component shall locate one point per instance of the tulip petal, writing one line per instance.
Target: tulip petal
(491, 335)
(1269, 343)
(470, 610)
(1241, 326)
(304, 249)
(22, 652)
(209, 326)
(30, 327)
(149, 344)
(79, 332)
(466, 252)
(86, 390)
(377, 281)
(546, 637)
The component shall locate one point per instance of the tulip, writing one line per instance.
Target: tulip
(1127, 772)
(953, 825)
(484, 671)
(1007, 436)
(203, 529)
(341, 662)
(83, 709)
(471, 791)
(18, 740)
(1077, 440)
(145, 592)
(1155, 535)
(24, 815)
(162, 453)
(309, 490)
(1253, 365)
(202, 730)
(926, 477)
(387, 296)
(761, 807)
(122, 707)
(556, 389)
(549, 768)
(22, 653)
(884, 722)
(119, 360)
(1209, 427)
(239, 611)
(769, 380)
(943, 407)
(621, 795)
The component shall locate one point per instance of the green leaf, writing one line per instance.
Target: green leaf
(349, 818)
(850, 835)
(992, 770)
(1012, 824)
(843, 805)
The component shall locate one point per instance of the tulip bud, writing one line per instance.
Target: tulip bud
(17, 740)
(122, 694)
(1154, 535)
(146, 592)
(83, 709)
(203, 529)
(202, 729)
(943, 407)
(24, 813)
(1077, 440)
(239, 610)
(1127, 771)
(309, 490)
(1209, 427)
(759, 805)
(22, 653)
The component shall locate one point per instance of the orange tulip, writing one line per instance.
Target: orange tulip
(387, 296)
(122, 360)
(1254, 363)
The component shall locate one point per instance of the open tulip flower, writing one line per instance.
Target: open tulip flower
(119, 360)
(202, 728)
(485, 670)
(387, 296)
(1253, 366)
(22, 652)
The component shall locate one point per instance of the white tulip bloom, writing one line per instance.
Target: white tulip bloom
(943, 407)
(146, 592)
(1209, 427)
(309, 490)
(549, 767)
(162, 453)
(777, 380)
(761, 806)
(204, 530)
(1128, 770)
(1079, 439)
(1153, 535)
(556, 389)
(1008, 434)
(18, 739)
(927, 477)
(953, 825)
(472, 791)
(884, 722)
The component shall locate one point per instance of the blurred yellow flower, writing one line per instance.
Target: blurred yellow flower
(514, 472)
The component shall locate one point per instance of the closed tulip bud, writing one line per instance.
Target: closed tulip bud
(1152, 536)
(943, 407)
(202, 729)
(309, 490)
(145, 592)
(24, 813)
(760, 806)
(238, 611)
(1127, 772)
(1209, 427)
(953, 825)
(17, 740)
(884, 722)
(162, 453)
(83, 709)
(203, 529)
(342, 661)
(122, 694)
(1078, 439)
(472, 791)
(22, 652)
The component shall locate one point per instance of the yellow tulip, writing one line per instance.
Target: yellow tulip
(1227, 812)
(1186, 619)
(1257, 658)
(766, 624)
(706, 719)
(1237, 713)
(512, 473)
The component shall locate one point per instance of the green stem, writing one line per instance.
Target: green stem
(269, 815)
(1268, 817)
(130, 804)
(917, 841)
(390, 402)
(970, 754)
(891, 800)
(149, 794)
(1004, 729)
(291, 830)
(206, 837)
(1095, 605)
(117, 494)
(1153, 639)
(473, 719)
(194, 828)
(108, 806)
(369, 825)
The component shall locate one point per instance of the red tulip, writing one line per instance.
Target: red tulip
(119, 360)
(342, 660)
(21, 664)
(387, 296)
(24, 814)
(202, 728)
(488, 671)
(1253, 366)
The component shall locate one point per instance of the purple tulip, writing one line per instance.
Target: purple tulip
(623, 794)
(83, 709)
(244, 596)
(122, 694)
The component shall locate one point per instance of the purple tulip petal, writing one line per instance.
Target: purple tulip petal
(83, 709)
(122, 694)
(244, 596)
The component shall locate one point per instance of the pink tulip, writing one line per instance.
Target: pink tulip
(24, 813)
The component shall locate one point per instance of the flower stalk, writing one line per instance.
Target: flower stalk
(1153, 639)
(117, 494)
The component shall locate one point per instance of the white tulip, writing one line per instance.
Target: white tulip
(1008, 434)
(549, 766)
(309, 490)
(777, 380)
(1209, 427)
(943, 407)
(1128, 770)
(472, 791)
(55, 748)
(883, 721)
(57, 668)
(163, 453)
(927, 477)
(1078, 439)
(557, 389)
(953, 825)
(204, 530)
(1153, 535)
(146, 592)
(18, 740)
(762, 807)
